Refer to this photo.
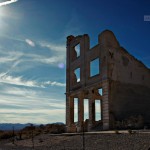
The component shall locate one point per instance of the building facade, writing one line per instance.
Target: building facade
(108, 73)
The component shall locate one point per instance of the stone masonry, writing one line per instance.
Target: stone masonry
(123, 80)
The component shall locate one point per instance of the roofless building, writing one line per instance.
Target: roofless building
(108, 73)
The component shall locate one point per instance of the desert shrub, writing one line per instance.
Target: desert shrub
(6, 135)
(40, 140)
(46, 129)
(37, 133)
(131, 131)
(41, 126)
(57, 129)
(19, 135)
(54, 128)
(117, 132)
(1, 131)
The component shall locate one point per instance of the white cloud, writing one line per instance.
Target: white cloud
(30, 42)
(4, 78)
(53, 47)
(6, 59)
(51, 60)
(26, 104)
(30, 103)
(58, 52)
(9, 57)
(15, 56)
(32, 116)
(54, 83)
(7, 2)
(19, 91)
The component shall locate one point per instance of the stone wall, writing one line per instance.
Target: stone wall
(129, 100)
(124, 80)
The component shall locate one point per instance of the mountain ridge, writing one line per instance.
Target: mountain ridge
(19, 126)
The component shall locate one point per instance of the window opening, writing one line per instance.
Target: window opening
(97, 110)
(77, 73)
(86, 109)
(94, 67)
(75, 109)
(77, 49)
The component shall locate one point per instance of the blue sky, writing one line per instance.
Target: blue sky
(33, 49)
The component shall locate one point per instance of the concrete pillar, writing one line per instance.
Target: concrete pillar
(71, 107)
(105, 105)
(67, 110)
(71, 127)
(91, 113)
(80, 113)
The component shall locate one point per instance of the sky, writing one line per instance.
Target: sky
(33, 49)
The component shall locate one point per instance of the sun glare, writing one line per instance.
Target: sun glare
(3, 23)
(1, 16)
(6, 14)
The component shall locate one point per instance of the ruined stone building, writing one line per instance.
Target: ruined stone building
(121, 82)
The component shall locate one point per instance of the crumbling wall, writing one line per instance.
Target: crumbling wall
(124, 80)
(129, 81)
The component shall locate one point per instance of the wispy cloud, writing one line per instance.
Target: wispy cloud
(51, 60)
(74, 25)
(30, 42)
(53, 47)
(17, 81)
(30, 103)
(54, 83)
(4, 78)
(17, 91)
(7, 2)
(18, 61)
(58, 52)
(7, 57)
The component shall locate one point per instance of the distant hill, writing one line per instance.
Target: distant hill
(18, 126)
(9, 126)
(60, 123)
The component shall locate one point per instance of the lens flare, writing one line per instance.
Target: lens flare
(61, 65)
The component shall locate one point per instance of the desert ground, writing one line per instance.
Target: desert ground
(109, 140)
